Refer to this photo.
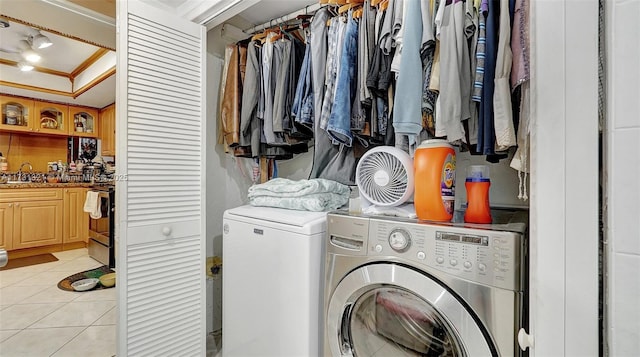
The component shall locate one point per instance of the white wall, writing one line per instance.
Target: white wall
(564, 182)
(216, 177)
(504, 181)
(227, 177)
(623, 164)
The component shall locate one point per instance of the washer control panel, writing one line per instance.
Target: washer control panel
(483, 256)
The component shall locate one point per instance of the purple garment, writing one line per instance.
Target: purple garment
(520, 69)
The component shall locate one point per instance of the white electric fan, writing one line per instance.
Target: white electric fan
(384, 176)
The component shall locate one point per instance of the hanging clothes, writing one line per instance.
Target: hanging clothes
(294, 131)
(267, 85)
(303, 105)
(417, 70)
(455, 77)
(252, 91)
(366, 42)
(480, 51)
(330, 162)
(282, 48)
(407, 117)
(379, 77)
(230, 109)
(486, 132)
(332, 63)
(503, 118)
(520, 75)
(339, 123)
(427, 52)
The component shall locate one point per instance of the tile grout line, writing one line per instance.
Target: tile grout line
(63, 304)
(71, 339)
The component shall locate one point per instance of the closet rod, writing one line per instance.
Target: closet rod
(310, 9)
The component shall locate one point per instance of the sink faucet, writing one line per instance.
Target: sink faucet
(20, 170)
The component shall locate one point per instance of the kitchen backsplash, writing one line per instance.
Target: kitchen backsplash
(35, 149)
(39, 150)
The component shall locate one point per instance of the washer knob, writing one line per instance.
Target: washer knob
(453, 262)
(421, 255)
(378, 248)
(467, 265)
(439, 260)
(482, 267)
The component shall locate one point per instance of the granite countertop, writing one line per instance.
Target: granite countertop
(45, 185)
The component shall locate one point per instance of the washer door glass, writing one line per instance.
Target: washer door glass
(386, 309)
(390, 321)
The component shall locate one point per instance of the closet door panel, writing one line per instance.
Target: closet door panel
(161, 245)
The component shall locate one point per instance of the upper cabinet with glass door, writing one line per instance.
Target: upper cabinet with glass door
(50, 118)
(83, 121)
(18, 114)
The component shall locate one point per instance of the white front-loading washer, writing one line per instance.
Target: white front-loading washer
(398, 287)
(272, 281)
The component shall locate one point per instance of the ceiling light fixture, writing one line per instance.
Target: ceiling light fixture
(28, 53)
(31, 56)
(25, 66)
(40, 41)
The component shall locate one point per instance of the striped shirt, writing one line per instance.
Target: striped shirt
(476, 94)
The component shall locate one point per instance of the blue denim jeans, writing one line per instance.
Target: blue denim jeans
(339, 125)
(302, 108)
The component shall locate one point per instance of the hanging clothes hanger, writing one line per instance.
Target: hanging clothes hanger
(258, 36)
(384, 5)
(375, 2)
(347, 7)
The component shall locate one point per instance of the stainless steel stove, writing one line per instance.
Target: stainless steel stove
(102, 229)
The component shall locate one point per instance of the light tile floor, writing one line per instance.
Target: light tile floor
(38, 319)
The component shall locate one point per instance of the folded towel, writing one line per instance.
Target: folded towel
(309, 195)
(92, 205)
(316, 202)
(282, 187)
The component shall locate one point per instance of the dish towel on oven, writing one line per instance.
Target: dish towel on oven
(92, 205)
(308, 195)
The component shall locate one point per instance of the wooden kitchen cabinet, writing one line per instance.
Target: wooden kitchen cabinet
(83, 121)
(18, 114)
(6, 225)
(50, 118)
(31, 217)
(75, 227)
(107, 120)
(37, 223)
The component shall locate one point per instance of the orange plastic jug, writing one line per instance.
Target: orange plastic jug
(477, 185)
(435, 167)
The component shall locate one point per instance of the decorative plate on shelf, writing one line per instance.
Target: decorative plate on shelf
(48, 123)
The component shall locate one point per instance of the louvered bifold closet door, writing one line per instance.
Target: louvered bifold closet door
(160, 208)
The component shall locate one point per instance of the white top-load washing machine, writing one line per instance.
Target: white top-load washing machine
(272, 281)
(399, 287)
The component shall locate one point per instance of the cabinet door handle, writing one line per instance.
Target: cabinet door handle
(10, 205)
(17, 205)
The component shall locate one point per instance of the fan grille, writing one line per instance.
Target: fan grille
(382, 178)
